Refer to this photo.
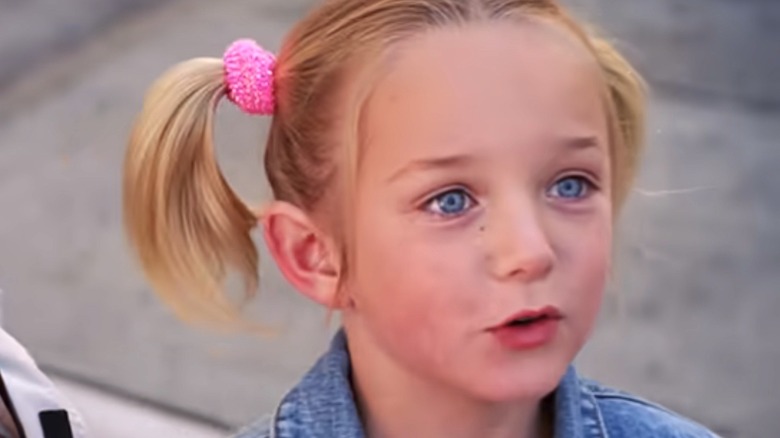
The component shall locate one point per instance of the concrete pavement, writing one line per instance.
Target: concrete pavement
(690, 322)
(35, 32)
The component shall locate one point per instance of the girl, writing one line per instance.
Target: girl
(446, 176)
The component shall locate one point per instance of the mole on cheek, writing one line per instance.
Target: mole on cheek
(480, 237)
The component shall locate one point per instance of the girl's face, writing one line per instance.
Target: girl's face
(483, 196)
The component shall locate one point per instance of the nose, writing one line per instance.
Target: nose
(518, 245)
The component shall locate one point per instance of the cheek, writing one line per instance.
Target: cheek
(587, 260)
(404, 274)
(410, 279)
(593, 247)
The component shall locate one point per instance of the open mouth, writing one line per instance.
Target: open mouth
(528, 329)
(531, 317)
(526, 321)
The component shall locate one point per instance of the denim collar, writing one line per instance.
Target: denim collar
(323, 405)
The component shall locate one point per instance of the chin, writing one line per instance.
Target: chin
(532, 380)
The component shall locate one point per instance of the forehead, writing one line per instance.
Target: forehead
(487, 82)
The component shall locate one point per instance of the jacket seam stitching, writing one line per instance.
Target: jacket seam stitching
(648, 404)
(597, 410)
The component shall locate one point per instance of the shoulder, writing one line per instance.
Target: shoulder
(627, 415)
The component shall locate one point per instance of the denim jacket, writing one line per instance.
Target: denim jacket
(322, 405)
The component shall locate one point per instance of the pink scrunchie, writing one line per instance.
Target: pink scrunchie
(249, 76)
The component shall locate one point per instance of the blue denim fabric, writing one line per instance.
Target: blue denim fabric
(322, 405)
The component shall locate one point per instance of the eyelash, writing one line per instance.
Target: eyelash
(589, 187)
(469, 202)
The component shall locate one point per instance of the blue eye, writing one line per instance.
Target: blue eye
(451, 203)
(570, 187)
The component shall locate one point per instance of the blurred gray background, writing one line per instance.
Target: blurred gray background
(691, 317)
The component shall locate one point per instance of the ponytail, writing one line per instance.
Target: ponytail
(184, 222)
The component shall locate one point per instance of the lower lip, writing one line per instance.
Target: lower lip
(525, 337)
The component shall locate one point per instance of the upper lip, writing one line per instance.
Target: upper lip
(547, 311)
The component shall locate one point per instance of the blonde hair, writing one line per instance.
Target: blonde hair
(186, 224)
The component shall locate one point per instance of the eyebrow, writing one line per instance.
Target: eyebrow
(464, 160)
(433, 163)
(578, 143)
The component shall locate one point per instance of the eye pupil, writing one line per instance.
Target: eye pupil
(451, 202)
(571, 188)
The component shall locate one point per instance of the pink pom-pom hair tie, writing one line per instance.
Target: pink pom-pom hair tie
(249, 77)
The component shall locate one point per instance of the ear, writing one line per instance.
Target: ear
(307, 258)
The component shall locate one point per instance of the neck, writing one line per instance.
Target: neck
(395, 402)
